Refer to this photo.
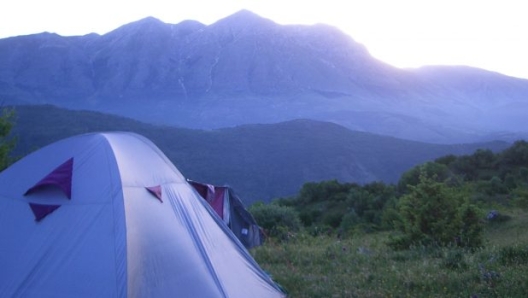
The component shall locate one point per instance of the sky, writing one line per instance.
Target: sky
(488, 34)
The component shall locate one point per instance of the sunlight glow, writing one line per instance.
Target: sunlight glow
(488, 34)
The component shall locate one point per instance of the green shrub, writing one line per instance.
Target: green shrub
(7, 143)
(470, 234)
(349, 221)
(277, 221)
(332, 218)
(513, 255)
(390, 218)
(454, 259)
(433, 214)
(437, 171)
(521, 198)
(320, 230)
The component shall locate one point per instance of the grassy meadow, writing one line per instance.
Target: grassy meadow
(363, 265)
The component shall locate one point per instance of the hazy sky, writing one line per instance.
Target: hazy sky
(489, 34)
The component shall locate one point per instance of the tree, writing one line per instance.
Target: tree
(323, 202)
(433, 214)
(7, 143)
(516, 155)
(366, 204)
(440, 172)
(276, 220)
(471, 229)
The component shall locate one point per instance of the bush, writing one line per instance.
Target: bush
(513, 255)
(471, 229)
(454, 259)
(7, 143)
(390, 218)
(320, 230)
(349, 221)
(434, 215)
(437, 171)
(277, 221)
(521, 198)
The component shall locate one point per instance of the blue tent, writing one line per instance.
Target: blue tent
(108, 215)
(232, 211)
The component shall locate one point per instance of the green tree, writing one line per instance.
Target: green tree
(480, 165)
(520, 198)
(276, 220)
(471, 229)
(439, 171)
(433, 214)
(7, 143)
(516, 155)
(323, 202)
(366, 204)
(313, 192)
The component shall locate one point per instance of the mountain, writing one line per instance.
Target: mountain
(245, 69)
(261, 161)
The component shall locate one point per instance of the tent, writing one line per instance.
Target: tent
(108, 215)
(232, 211)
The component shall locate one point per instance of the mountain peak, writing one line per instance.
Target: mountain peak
(244, 18)
(149, 20)
(145, 24)
(244, 13)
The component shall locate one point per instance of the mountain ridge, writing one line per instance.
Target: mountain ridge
(247, 69)
(261, 161)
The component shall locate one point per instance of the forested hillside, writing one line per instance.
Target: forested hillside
(452, 227)
(260, 162)
(484, 179)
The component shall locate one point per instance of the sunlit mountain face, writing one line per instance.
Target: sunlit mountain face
(245, 69)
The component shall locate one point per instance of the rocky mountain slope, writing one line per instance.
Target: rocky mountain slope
(247, 69)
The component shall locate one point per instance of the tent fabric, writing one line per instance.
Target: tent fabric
(113, 238)
(60, 177)
(230, 208)
(213, 195)
(156, 191)
(41, 211)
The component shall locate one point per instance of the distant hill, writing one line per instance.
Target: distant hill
(261, 161)
(245, 69)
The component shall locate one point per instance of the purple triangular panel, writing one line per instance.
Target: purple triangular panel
(60, 177)
(41, 211)
(156, 191)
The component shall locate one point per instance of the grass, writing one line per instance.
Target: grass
(363, 266)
